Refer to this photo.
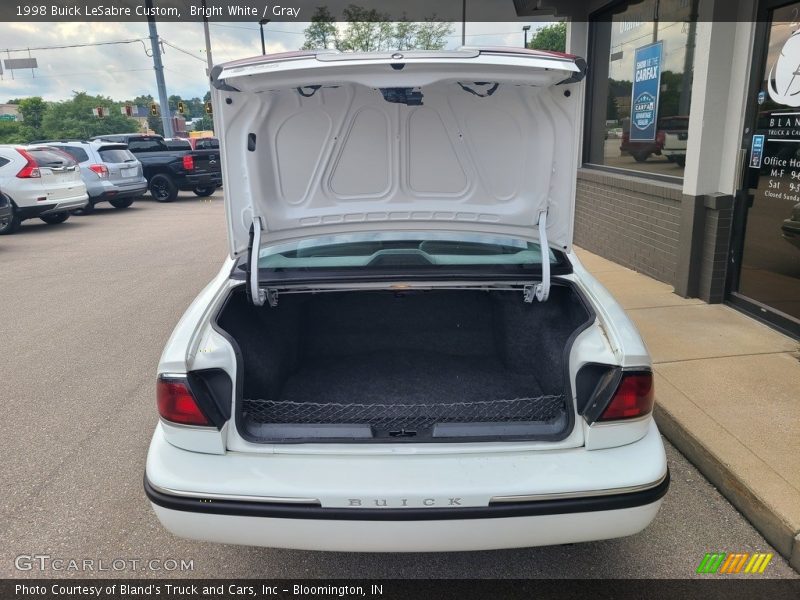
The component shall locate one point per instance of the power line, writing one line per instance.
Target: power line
(179, 49)
(109, 43)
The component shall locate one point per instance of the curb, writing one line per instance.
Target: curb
(739, 494)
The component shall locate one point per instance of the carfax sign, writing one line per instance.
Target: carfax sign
(646, 87)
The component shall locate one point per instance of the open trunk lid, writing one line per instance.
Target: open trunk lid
(476, 140)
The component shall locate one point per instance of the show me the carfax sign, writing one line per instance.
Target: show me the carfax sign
(646, 88)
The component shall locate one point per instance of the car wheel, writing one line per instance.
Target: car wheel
(55, 219)
(163, 189)
(11, 224)
(640, 156)
(204, 192)
(86, 210)
(121, 203)
(681, 160)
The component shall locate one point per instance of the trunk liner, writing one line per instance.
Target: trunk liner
(396, 390)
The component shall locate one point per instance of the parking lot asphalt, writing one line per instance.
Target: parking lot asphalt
(85, 310)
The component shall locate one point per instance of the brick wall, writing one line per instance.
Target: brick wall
(631, 221)
(718, 220)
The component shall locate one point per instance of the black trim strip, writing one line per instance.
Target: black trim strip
(493, 511)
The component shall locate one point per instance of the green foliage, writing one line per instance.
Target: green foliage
(321, 33)
(32, 111)
(74, 118)
(367, 30)
(12, 132)
(550, 37)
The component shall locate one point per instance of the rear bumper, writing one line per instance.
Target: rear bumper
(27, 212)
(114, 192)
(302, 501)
(201, 181)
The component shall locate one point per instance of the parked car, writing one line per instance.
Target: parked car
(168, 171)
(111, 173)
(641, 150)
(40, 182)
(205, 143)
(403, 352)
(676, 135)
(5, 210)
(178, 143)
(790, 229)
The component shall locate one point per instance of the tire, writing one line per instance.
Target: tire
(640, 156)
(162, 188)
(681, 161)
(121, 203)
(55, 218)
(86, 210)
(204, 192)
(11, 224)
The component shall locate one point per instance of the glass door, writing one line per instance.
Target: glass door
(764, 277)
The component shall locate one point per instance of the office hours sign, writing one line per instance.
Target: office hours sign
(646, 89)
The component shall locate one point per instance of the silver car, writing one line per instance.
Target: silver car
(110, 171)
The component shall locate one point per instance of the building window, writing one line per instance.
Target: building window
(641, 60)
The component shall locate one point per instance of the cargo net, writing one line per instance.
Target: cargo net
(542, 409)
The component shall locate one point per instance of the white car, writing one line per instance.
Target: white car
(41, 182)
(388, 361)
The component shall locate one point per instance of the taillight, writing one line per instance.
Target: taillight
(176, 402)
(31, 169)
(633, 398)
(188, 163)
(100, 170)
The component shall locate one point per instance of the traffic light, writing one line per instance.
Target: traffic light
(181, 108)
(99, 112)
(154, 109)
(127, 110)
(209, 109)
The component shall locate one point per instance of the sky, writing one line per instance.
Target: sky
(123, 71)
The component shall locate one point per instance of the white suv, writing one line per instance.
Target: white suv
(40, 182)
(402, 352)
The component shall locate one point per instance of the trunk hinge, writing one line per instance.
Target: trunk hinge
(255, 293)
(541, 291)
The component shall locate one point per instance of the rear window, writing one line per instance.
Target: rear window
(393, 250)
(79, 154)
(147, 145)
(206, 144)
(50, 157)
(178, 145)
(116, 155)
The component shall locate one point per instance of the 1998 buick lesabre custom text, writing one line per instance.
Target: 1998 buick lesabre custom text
(402, 352)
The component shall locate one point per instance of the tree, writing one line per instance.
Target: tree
(367, 30)
(432, 34)
(32, 110)
(11, 132)
(75, 119)
(550, 37)
(612, 110)
(321, 33)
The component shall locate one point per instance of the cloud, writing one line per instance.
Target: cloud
(123, 71)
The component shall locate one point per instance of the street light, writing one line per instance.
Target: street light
(261, 24)
(526, 29)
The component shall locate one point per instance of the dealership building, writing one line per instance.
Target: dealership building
(690, 171)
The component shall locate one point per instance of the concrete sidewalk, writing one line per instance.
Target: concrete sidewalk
(727, 395)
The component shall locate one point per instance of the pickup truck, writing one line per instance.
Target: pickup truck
(168, 171)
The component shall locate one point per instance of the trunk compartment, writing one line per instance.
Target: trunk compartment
(411, 365)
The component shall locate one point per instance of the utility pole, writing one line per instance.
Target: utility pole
(209, 60)
(163, 99)
(463, 22)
